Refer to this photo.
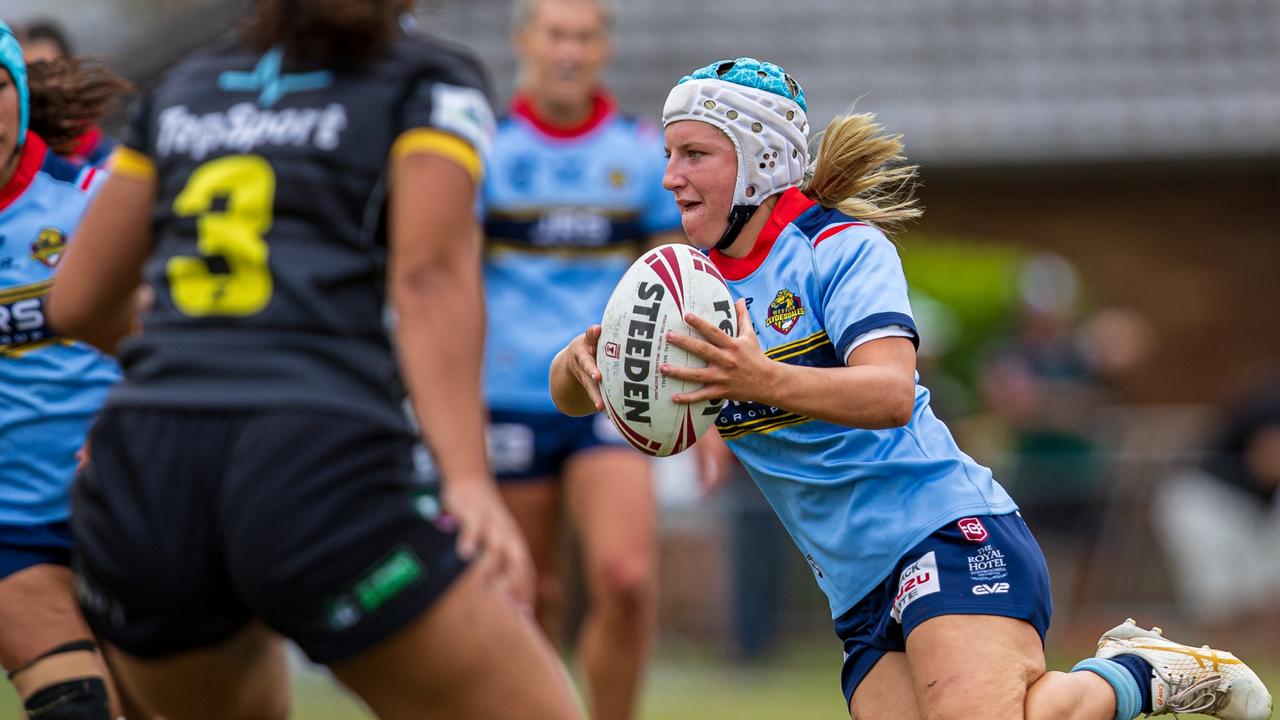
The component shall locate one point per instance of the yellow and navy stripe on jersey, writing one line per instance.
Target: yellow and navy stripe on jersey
(738, 419)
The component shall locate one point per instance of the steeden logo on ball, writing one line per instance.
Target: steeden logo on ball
(650, 300)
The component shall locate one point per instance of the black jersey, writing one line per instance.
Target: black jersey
(269, 223)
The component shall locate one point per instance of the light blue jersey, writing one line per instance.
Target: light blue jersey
(50, 388)
(816, 282)
(566, 212)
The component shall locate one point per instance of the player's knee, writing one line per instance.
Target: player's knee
(626, 582)
(83, 698)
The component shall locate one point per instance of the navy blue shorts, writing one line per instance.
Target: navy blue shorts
(532, 445)
(24, 546)
(986, 565)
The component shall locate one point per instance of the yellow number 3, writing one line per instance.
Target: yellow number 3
(230, 277)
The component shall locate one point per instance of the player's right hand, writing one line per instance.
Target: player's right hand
(581, 357)
(488, 535)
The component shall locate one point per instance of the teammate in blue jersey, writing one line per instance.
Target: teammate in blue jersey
(938, 590)
(251, 477)
(574, 194)
(50, 387)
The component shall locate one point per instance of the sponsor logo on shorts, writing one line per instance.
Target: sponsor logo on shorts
(97, 602)
(973, 530)
(918, 579)
(391, 576)
(512, 447)
(991, 588)
(987, 564)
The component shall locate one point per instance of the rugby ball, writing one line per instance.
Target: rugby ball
(650, 300)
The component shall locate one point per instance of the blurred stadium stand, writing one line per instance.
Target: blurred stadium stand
(140, 37)
(970, 81)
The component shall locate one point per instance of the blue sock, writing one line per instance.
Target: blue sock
(1141, 671)
(1129, 692)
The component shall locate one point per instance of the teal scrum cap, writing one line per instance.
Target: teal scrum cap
(11, 60)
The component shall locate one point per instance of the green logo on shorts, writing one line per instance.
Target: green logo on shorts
(375, 588)
(388, 579)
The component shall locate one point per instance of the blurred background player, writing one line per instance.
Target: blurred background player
(929, 570)
(1231, 500)
(50, 388)
(251, 475)
(45, 40)
(573, 194)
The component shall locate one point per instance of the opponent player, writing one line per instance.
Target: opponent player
(574, 192)
(46, 41)
(251, 476)
(938, 590)
(50, 388)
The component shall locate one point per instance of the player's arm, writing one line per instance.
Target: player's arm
(875, 390)
(433, 273)
(94, 291)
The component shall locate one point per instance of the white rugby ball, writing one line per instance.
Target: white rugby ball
(651, 299)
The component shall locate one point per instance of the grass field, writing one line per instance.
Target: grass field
(797, 685)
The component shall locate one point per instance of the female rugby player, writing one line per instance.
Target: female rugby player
(938, 590)
(574, 192)
(50, 388)
(251, 476)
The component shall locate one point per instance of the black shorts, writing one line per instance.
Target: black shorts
(191, 522)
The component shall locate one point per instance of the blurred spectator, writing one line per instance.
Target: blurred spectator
(1043, 386)
(45, 41)
(1220, 522)
(1040, 383)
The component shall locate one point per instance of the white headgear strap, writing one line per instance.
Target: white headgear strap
(768, 131)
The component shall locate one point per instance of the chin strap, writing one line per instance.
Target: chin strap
(738, 218)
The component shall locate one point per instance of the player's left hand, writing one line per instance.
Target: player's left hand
(489, 536)
(737, 369)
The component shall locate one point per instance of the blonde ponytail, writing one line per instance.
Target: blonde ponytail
(861, 172)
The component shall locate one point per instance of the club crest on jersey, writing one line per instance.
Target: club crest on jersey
(785, 311)
(49, 246)
(618, 178)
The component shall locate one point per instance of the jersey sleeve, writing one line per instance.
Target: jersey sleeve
(863, 287)
(447, 113)
(661, 214)
(133, 156)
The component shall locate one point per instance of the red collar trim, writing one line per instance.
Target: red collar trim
(602, 106)
(33, 154)
(791, 205)
(87, 141)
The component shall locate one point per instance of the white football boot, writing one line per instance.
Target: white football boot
(1191, 680)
